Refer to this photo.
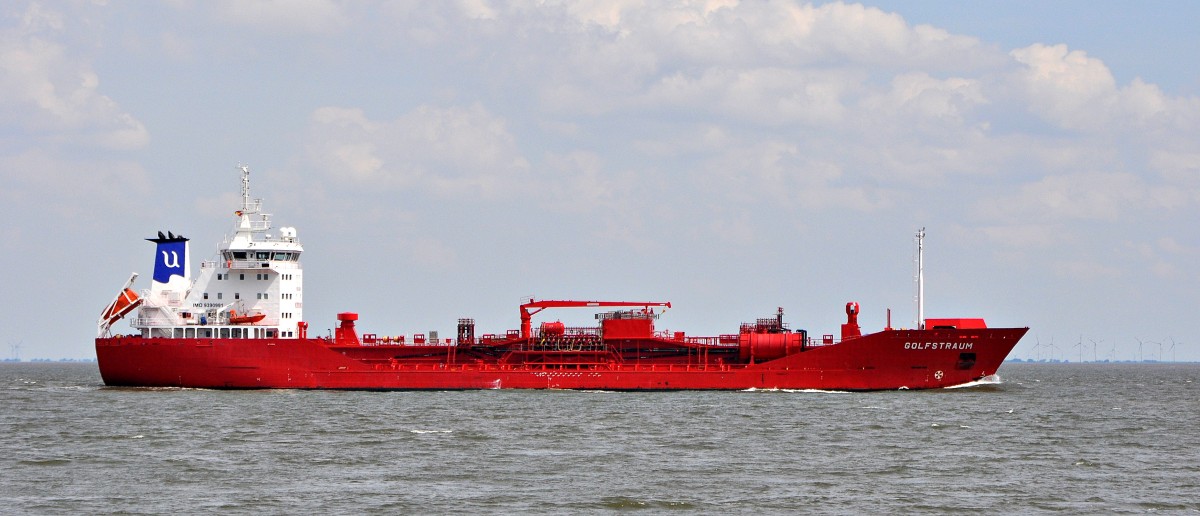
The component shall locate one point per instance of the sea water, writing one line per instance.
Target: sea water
(1039, 438)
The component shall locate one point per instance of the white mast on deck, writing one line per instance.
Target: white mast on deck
(245, 188)
(921, 279)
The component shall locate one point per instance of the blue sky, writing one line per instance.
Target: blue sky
(446, 159)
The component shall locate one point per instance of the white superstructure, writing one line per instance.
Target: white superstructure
(254, 289)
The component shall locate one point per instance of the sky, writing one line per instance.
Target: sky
(448, 159)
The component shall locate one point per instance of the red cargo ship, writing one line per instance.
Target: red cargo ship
(197, 333)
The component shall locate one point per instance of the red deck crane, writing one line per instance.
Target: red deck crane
(533, 307)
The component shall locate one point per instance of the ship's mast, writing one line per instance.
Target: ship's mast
(921, 279)
(247, 206)
(250, 207)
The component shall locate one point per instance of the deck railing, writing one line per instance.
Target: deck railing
(249, 264)
(159, 323)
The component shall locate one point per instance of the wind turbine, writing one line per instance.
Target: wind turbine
(1037, 349)
(1172, 349)
(1079, 346)
(1095, 343)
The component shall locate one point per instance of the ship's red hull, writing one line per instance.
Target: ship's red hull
(892, 359)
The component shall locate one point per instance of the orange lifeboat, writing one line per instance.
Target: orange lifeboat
(234, 318)
(125, 302)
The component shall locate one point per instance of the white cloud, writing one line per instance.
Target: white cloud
(848, 104)
(1086, 270)
(917, 96)
(286, 16)
(1177, 167)
(734, 229)
(1075, 91)
(699, 139)
(432, 253)
(769, 96)
(1084, 196)
(753, 34)
(1166, 258)
(447, 151)
(75, 193)
(780, 173)
(45, 90)
(613, 205)
(578, 183)
(1172, 245)
(1025, 236)
(604, 13)
(477, 9)
(773, 62)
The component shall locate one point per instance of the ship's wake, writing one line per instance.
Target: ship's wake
(775, 389)
(993, 379)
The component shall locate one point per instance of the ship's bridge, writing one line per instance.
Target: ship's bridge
(252, 288)
(260, 258)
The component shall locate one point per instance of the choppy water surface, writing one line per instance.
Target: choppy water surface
(1073, 438)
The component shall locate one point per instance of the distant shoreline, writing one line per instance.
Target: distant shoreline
(49, 361)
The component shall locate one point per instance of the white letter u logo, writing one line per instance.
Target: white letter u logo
(168, 263)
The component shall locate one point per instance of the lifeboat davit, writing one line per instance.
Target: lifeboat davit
(235, 318)
(125, 302)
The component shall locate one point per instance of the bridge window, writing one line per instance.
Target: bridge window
(262, 256)
(239, 255)
(206, 295)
